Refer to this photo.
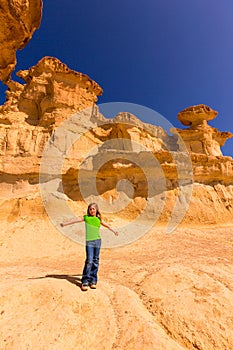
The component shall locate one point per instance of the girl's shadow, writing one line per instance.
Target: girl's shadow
(75, 279)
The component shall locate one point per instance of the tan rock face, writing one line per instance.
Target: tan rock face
(58, 103)
(19, 19)
(52, 93)
(52, 89)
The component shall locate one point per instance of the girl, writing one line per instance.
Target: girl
(93, 221)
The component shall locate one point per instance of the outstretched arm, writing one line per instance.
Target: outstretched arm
(110, 228)
(71, 222)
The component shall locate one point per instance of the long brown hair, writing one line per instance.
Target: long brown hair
(97, 210)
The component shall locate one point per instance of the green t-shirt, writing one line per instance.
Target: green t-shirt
(92, 227)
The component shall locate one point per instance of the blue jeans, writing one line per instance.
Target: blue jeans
(92, 262)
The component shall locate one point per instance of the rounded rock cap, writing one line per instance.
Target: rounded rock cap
(196, 115)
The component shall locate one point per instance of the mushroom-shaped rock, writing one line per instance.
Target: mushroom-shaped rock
(201, 137)
(196, 115)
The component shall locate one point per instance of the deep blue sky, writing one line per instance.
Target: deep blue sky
(163, 54)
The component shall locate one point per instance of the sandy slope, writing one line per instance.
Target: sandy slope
(161, 292)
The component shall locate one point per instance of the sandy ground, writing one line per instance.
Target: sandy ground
(164, 291)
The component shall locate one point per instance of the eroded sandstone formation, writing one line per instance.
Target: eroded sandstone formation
(19, 19)
(52, 92)
(57, 105)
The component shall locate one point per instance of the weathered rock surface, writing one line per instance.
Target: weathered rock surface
(52, 93)
(58, 104)
(19, 19)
